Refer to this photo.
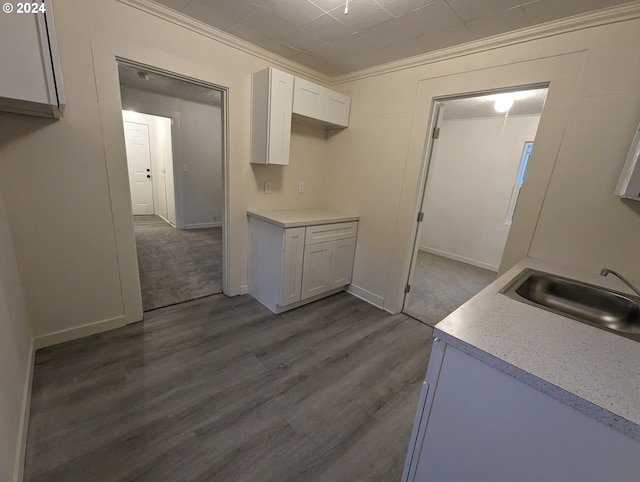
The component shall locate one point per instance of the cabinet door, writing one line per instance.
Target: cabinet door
(271, 104)
(486, 425)
(292, 265)
(342, 262)
(336, 108)
(280, 117)
(307, 99)
(316, 270)
(31, 76)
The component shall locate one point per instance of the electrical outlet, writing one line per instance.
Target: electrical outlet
(215, 218)
(267, 187)
(301, 187)
(185, 168)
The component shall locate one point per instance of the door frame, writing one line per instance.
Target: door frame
(177, 173)
(435, 117)
(174, 116)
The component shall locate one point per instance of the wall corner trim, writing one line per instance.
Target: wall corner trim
(23, 431)
(182, 20)
(620, 13)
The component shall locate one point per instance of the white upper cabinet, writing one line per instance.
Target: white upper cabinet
(277, 96)
(31, 75)
(319, 105)
(271, 107)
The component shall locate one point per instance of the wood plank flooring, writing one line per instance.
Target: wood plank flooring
(220, 389)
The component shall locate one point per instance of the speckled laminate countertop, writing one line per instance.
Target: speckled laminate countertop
(292, 218)
(589, 369)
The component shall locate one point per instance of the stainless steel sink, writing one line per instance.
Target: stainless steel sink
(594, 305)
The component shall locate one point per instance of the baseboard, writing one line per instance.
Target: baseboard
(297, 304)
(244, 289)
(202, 225)
(166, 220)
(78, 332)
(23, 431)
(462, 259)
(366, 295)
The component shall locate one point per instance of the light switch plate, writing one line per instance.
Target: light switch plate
(267, 187)
(301, 187)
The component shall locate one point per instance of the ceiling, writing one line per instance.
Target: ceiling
(318, 34)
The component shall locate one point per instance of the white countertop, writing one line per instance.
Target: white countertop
(291, 218)
(592, 370)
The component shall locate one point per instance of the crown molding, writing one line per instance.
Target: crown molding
(201, 28)
(621, 13)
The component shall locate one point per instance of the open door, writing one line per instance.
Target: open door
(438, 114)
(475, 165)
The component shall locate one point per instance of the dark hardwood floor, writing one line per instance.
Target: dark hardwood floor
(220, 389)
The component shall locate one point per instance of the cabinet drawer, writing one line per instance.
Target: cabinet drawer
(330, 232)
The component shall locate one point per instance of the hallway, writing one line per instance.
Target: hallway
(176, 265)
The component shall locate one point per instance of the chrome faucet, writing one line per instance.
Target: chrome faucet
(606, 271)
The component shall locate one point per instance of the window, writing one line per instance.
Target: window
(524, 162)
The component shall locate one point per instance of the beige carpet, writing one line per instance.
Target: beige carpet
(440, 285)
(176, 265)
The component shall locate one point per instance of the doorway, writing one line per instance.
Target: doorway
(174, 137)
(150, 161)
(476, 159)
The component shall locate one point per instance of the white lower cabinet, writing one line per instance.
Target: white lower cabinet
(327, 266)
(477, 423)
(292, 266)
(316, 269)
(342, 256)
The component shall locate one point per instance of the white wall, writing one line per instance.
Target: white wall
(65, 182)
(567, 212)
(198, 144)
(15, 358)
(469, 185)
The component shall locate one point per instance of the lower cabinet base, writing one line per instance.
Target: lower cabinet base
(281, 309)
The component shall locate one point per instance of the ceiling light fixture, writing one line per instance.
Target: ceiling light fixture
(503, 104)
(346, 8)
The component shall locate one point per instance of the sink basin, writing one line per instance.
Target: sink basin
(594, 305)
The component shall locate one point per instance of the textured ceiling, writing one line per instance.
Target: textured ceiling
(318, 34)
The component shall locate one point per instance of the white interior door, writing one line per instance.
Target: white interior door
(139, 161)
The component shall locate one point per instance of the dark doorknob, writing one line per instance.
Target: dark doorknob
(148, 170)
(149, 176)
